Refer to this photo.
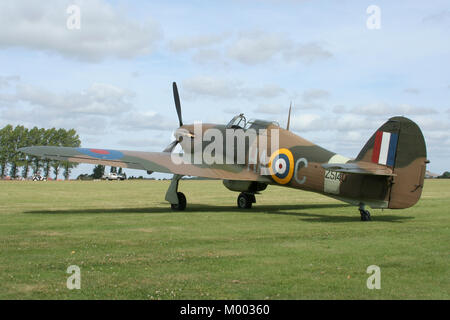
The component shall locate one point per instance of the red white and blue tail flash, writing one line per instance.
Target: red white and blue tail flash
(385, 148)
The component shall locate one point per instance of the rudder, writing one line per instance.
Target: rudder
(400, 145)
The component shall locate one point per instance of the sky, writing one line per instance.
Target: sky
(111, 79)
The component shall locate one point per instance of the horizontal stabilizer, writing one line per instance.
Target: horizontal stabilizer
(360, 167)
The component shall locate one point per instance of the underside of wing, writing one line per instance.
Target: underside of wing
(149, 161)
(360, 167)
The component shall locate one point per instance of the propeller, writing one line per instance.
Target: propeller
(171, 146)
(176, 97)
(289, 116)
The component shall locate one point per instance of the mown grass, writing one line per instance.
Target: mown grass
(291, 245)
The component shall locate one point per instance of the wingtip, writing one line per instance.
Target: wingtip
(24, 149)
(27, 150)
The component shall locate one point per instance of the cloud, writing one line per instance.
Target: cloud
(351, 122)
(428, 123)
(407, 109)
(194, 42)
(100, 108)
(257, 47)
(315, 94)
(384, 109)
(98, 99)
(312, 99)
(7, 81)
(105, 31)
(228, 89)
(412, 90)
(376, 108)
(229, 110)
(309, 122)
(248, 47)
(441, 16)
(340, 109)
(151, 143)
(352, 137)
(266, 91)
(308, 53)
(270, 109)
(206, 55)
(41, 117)
(144, 120)
(309, 105)
(213, 87)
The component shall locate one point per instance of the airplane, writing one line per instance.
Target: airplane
(388, 172)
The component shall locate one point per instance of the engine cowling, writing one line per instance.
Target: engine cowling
(244, 186)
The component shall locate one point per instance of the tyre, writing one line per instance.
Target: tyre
(181, 202)
(245, 200)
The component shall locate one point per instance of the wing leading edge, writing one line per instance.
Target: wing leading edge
(149, 161)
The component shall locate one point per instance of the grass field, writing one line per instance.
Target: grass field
(291, 245)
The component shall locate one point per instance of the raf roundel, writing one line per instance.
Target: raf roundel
(102, 153)
(281, 166)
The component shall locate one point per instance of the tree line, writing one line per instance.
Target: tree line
(99, 171)
(18, 164)
(445, 175)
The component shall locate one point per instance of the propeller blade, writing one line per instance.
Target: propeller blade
(289, 117)
(171, 146)
(176, 97)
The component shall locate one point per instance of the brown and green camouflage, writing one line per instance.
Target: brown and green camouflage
(307, 166)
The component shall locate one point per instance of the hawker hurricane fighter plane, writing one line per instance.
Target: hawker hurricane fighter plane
(248, 155)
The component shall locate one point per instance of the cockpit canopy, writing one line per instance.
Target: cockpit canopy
(240, 122)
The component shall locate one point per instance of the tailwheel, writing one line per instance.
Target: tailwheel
(245, 200)
(181, 205)
(365, 215)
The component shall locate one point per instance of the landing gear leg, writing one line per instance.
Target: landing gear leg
(176, 199)
(365, 214)
(245, 200)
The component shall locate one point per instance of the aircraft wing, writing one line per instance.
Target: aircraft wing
(149, 161)
(360, 167)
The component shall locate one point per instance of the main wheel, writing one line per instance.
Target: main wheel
(245, 200)
(181, 202)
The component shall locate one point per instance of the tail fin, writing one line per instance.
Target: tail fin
(399, 144)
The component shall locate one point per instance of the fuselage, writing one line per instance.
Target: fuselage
(291, 161)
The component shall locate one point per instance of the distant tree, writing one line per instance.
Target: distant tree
(50, 138)
(37, 139)
(16, 141)
(56, 165)
(120, 170)
(55, 138)
(12, 139)
(5, 148)
(113, 170)
(445, 175)
(98, 171)
(70, 139)
(26, 159)
(85, 176)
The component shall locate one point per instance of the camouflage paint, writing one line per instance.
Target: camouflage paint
(310, 167)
